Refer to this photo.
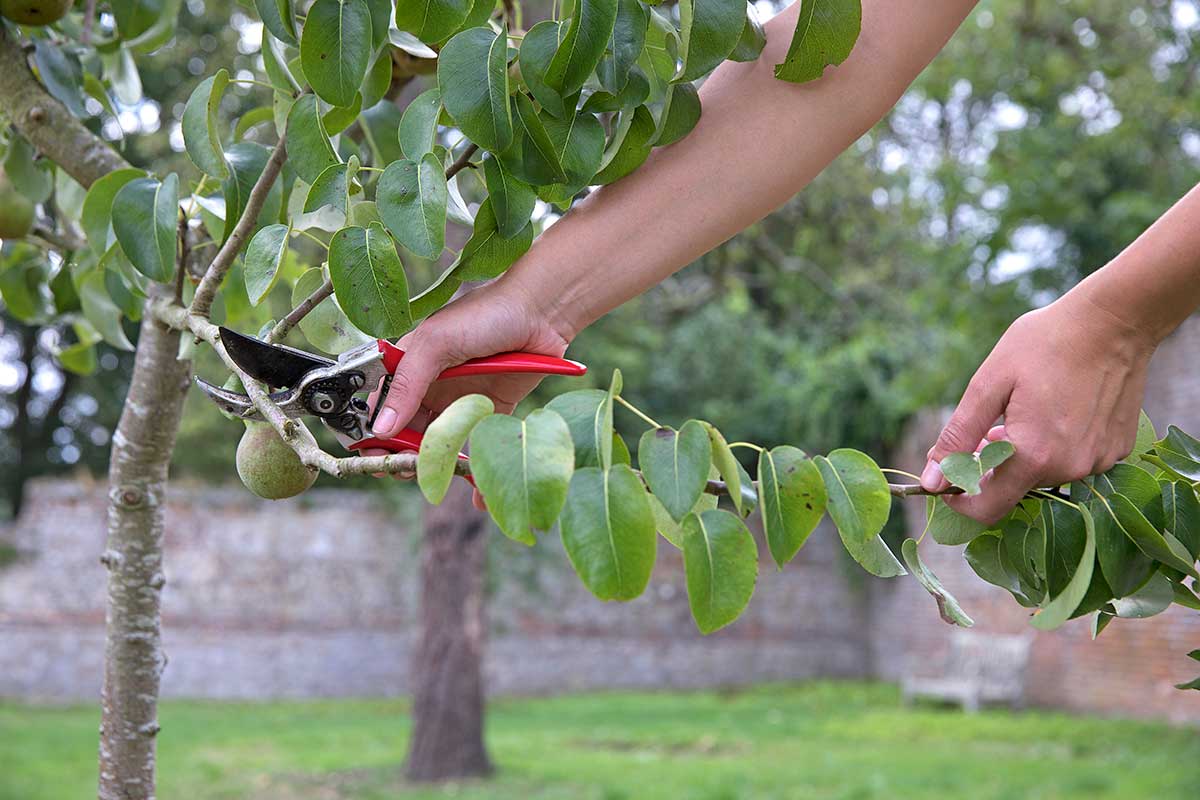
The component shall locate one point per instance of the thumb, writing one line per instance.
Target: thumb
(982, 403)
(416, 372)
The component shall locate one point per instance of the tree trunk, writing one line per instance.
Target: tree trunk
(137, 478)
(22, 428)
(447, 734)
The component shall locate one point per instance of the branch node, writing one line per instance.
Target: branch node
(150, 729)
(37, 115)
(111, 559)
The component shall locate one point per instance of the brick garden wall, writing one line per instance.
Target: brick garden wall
(288, 600)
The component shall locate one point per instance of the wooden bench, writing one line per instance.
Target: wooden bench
(980, 669)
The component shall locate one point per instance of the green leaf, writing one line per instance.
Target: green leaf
(134, 17)
(859, 498)
(1151, 599)
(630, 146)
(1181, 515)
(338, 118)
(432, 20)
(825, 34)
(523, 468)
(947, 526)
(948, 608)
(61, 75)
(335, 48)
(753, 39)
(1024, 536)
(1147, 538)
(579, 145)
(96, 217)
(512, 200)
(1063, 606)
(792, 500)
(608, 531)
(709, 30)
(264, 257)
(30, 175)
(444, 439)
(721, 565)
(418, 126)
(537, 49)
(582, 45)
(331, 188)
(369, 282)
(145, 214)
(411, 197)
(675, 465)
(246, 161)
(539, 155)
(1180, 453)
(473, 77)
(487, 254)
(728, 467)
(679, 115)
(1124, 566)
(277, 17)
(379, 79)
(274, 55)
(101, 311)
(986, 556)
(966, 470)
(588, 414)
(201, 135)
(625, 45)
(1146, 437)
(379, 125)
(326, 326)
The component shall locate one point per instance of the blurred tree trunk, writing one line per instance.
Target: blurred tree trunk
(137, 486)
(22, 430)
(447, 683)
(141, 455)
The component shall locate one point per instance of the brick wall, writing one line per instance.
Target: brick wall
(287, 600)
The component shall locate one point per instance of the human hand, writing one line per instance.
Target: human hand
(491, 319)
(1068, 380)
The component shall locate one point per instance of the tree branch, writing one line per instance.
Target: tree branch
(211, 282)
(285, 325)
(47, 123)
(462, 162)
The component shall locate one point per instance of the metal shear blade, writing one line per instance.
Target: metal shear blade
(239, 405)
(274, 364)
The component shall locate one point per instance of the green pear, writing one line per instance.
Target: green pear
(35, 12)
(268, 466)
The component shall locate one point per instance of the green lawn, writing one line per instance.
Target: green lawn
(820, 740)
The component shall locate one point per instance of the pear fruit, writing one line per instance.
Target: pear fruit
(16, 211)
(268, 467)
(35, 12)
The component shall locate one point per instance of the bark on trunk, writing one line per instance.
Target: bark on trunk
(447, 735)
(137, 477)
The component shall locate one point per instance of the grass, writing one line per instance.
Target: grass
(824, 741)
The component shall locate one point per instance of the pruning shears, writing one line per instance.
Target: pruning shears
(313, 385)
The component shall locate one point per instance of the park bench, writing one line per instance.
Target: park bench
(980, 668)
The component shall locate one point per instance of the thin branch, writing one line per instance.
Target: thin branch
(211, 282)
(62, 240)
(462, 162)
(285, 325)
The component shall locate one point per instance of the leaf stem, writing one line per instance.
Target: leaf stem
(636, 411)
(916, 478)
(747, 446)
(251, 82)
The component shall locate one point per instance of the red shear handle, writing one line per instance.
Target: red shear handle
(406, 441)
(492, 365)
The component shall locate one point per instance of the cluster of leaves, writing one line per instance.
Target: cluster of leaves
(1121, 545)
(576, 101)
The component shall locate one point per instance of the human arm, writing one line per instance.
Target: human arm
(758, 142)
(1069, 378)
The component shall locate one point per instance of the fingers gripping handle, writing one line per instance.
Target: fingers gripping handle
(406, 441)
(535, 363)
